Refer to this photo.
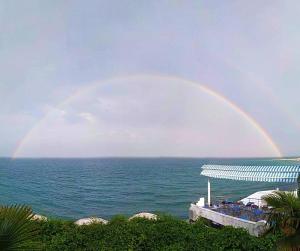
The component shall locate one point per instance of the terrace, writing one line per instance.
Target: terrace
(251, 212)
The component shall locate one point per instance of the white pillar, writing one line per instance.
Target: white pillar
(208, 192)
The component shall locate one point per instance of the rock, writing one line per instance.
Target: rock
(145, 215)
(39, 217)
(91, 220)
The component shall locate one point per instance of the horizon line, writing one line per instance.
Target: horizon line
(154, 156)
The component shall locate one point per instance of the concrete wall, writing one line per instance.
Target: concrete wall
(254, 228)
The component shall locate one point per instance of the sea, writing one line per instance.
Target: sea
(71, 188)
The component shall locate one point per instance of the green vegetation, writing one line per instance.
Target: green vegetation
(167, 233)
(17, 230)
(285, 218)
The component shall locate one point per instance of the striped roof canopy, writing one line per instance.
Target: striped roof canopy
(253, 173)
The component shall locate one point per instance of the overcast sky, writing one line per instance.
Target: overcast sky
(246, 51)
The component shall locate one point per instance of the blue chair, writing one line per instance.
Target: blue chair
(257, 212)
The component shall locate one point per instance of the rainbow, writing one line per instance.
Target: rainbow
(203, 88)
(263, 87)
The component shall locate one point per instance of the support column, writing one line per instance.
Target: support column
(208, 192)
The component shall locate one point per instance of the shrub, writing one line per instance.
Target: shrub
(166, 233)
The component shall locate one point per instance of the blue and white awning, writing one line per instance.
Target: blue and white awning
(253, 173)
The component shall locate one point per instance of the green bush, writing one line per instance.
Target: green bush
(166, 233)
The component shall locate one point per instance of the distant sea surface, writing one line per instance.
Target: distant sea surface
(104, 187)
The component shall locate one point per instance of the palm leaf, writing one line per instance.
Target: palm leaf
(17, 230)
(285, 216)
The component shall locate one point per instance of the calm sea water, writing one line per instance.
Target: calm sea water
(76, 188)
